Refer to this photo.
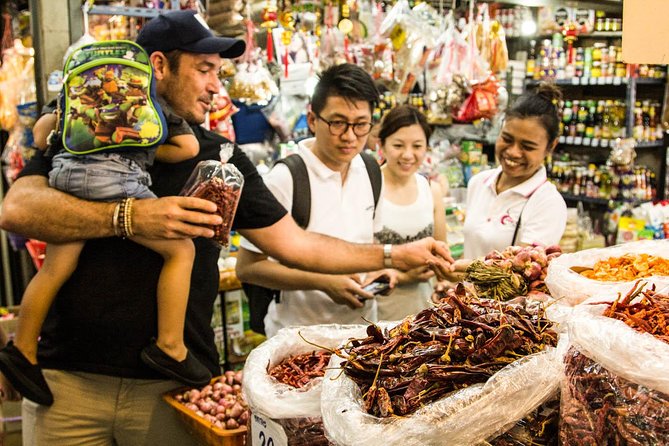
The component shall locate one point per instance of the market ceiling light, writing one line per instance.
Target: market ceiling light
(528, 27)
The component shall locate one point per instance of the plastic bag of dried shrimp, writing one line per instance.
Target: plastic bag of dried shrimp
(613, 269)
(464, 417)
(616, 388)
(279, 409)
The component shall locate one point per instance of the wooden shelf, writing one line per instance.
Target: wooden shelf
(603, 202)
(592, 35)
(649, 144)
(617, 34)
(585, 142)
(603, 143)
(596, 81)
(649, 81)
(610, 5)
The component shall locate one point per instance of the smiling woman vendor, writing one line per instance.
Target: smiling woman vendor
(515, 204)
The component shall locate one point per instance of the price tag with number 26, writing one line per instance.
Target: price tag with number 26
(266, 432)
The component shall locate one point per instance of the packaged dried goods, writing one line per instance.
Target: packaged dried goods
(616, 388)
(300, 370)
(220, 183)
(283, 380)
(568, 280)
(539, 428)
(628, 267)
(466, 371)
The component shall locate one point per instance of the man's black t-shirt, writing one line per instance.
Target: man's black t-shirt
(107, 312)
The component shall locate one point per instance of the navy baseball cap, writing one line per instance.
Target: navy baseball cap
(186, 30)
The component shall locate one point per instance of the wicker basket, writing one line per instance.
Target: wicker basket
(201, 428)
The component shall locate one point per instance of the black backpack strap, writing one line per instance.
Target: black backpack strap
(260, 297)
(301, 210)
(375, 176)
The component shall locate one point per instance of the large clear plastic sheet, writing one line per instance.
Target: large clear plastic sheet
(465, 417)
(616, 389)
(298, 411)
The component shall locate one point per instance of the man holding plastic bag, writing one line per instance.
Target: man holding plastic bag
(98, 378)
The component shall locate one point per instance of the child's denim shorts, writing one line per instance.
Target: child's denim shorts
(99, 176)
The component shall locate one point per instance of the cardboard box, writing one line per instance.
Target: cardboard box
(644, 34)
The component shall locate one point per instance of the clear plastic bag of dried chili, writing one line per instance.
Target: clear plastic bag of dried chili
(220, 183)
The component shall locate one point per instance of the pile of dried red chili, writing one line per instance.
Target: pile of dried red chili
(299, 370)
(459, 343)
(649, 315)
(600, 407)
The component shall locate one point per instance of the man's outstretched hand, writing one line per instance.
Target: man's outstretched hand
(427, 251)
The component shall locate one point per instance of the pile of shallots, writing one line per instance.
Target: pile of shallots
(220, 402)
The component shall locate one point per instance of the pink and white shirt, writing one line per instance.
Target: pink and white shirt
(491, 218)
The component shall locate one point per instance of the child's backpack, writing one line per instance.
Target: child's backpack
(108, 101)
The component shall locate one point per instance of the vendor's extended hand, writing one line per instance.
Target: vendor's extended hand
(427, 251)
(414, 275)
(174, 217)
(346, 290)
(461, 265)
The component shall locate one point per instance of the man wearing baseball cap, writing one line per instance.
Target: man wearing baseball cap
(103, 392)
(186, 31)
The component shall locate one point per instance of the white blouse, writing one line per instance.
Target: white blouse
(403, 224)
(491, 218)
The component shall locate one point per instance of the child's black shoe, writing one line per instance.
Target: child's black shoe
(26, 378)
(190, 371)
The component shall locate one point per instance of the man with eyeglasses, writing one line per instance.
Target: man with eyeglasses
(342, 205)
(104, 315)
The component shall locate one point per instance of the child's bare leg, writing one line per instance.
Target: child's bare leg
(59, 264)
(173, 290)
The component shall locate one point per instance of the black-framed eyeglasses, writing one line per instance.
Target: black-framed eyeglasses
(338, 127)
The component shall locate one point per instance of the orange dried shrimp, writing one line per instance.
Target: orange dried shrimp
(628, 267)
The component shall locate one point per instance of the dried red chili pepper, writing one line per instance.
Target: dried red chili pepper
(454, 345)
(649, 315)
(299, 370)
(600, 408)
(226, 198)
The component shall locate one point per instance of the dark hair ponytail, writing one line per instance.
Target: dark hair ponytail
(542, 104)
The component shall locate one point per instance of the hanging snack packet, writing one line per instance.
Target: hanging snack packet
(221, 184)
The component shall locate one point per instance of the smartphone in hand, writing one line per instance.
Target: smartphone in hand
(380, 286)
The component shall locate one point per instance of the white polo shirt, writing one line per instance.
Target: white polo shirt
(491, 218)
(339, 210)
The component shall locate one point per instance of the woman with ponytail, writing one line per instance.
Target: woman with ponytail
(515, 204)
